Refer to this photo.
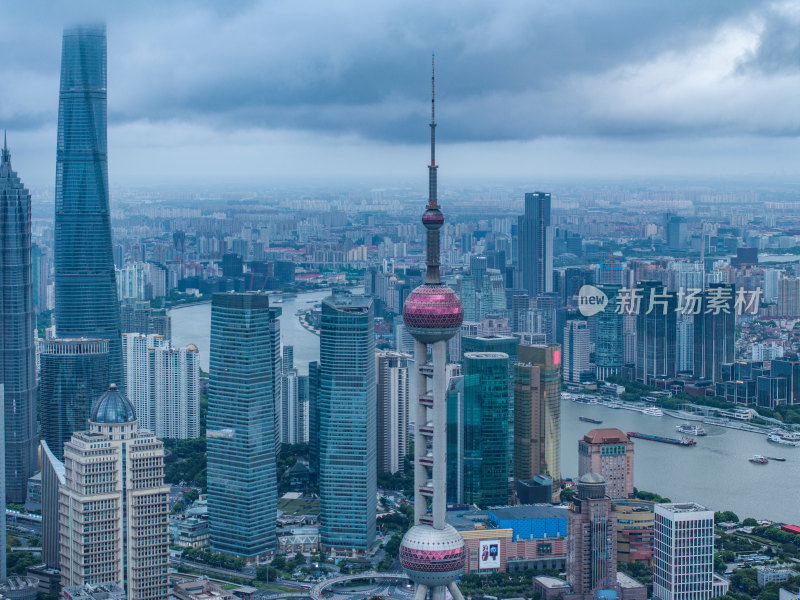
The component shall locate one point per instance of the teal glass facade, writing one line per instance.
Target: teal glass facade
(485, 429)
(243, 384)
(86, 289)
(347, 423)
(17, 322)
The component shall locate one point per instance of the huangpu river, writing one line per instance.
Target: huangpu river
(715, 473)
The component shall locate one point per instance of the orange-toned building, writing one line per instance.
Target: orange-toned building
(608, 452)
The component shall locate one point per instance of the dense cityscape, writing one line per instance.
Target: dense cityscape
(353, 391)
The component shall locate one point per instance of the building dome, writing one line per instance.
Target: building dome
(433, 218)
(432, 556)
(591, 485)
(432, 313)
(113, 407)
(592, 478)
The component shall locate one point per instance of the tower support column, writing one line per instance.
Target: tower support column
(420, 420)
(440, 433)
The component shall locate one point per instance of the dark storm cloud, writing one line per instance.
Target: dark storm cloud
(778, 50)
(506, 70)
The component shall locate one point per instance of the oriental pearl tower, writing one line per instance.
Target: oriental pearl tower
(432, 552)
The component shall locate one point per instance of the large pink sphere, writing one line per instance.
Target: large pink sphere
(432, 556)
(433, 313)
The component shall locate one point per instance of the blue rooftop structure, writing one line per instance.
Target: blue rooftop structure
(532, 521)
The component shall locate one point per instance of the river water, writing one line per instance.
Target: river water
(715, 473)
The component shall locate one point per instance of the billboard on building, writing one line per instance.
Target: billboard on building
(489, 557)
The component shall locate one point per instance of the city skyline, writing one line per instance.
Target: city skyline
(603, 108)
(430, 434)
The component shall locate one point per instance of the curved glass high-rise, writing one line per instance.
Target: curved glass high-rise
(86, 290)
(17, 352)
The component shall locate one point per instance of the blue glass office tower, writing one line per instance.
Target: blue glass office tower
(242, 484)
(347, 424)
(17, 322)
(86, 290)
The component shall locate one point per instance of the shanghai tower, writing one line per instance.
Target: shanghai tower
(86, 290)
(432, 551)
(17, 351)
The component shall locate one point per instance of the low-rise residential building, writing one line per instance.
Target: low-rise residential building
(190, 528)
(765, 575)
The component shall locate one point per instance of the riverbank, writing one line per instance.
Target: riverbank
(684, 415)
(715, 472)
(304, 318)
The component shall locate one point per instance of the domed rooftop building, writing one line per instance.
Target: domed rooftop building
(113, 407)
(115, 465)
(592, 531)
(591, 485)
(113, 414)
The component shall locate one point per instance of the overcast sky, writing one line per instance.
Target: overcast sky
(267, 91)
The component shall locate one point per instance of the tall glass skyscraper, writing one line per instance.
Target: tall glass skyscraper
(74, 375)
(537, 412)
(17, 322)
(536, 244)
(347, 424)
(714, 331)
(86, 289)
(656, 333)
(609, 345)
(242, 484)
(485, 426)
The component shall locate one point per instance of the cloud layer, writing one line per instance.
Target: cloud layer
(509, 74)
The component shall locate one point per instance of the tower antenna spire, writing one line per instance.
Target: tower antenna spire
(433, 88)
(432, 199)
(6, 155)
